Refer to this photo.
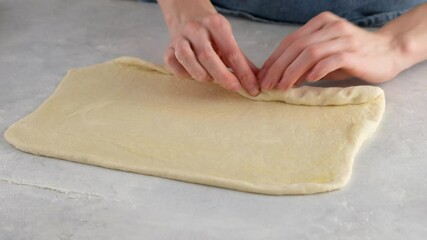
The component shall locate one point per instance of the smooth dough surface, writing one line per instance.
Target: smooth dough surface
(131, 115)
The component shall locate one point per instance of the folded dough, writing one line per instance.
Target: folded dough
(131, 115)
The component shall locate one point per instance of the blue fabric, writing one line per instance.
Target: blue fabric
(365, 13)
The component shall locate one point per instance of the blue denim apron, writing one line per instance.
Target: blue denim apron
(365, 13)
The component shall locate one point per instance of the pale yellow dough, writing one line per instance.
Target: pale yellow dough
(131, 115)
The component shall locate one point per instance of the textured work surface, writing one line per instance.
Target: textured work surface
(50, 199)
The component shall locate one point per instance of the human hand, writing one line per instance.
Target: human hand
(203, 47)
(329, 47)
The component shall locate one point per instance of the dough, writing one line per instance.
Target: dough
(131, 115)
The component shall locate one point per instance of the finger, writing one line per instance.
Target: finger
(211, 62)
(335, 75)
(273, 74)
(252, 66)
(225, 42)
(309, 57)
(242, 69)
(311, 26)
(301, 80)
(186, 57)
(173, 65)
(329, 65)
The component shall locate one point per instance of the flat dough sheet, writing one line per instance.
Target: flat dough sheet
(131, 115)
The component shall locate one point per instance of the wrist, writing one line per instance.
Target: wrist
(179, 12)
(408, 36)
(407, 50)
(404, 49)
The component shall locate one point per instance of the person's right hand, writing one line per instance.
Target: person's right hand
(203, 47)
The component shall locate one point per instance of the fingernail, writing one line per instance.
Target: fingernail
(264, 85)
(254, 91)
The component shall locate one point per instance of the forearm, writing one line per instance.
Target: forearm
(409, 34)
(178, 12)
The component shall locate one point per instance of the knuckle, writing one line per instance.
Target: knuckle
(181, 53)
(326, 15)
(320, 66)
(313, 52)
(299, 44)
(192, 27)
(409, 45)
(353, 42)
(226, 78)
(342, 26)
(168, 58)
(314, 76)
(204, 77)
(199, 75)
(342, 57)
(204, 54)
(227, 83)
(216, 20)
(288, 72)
(246, 77)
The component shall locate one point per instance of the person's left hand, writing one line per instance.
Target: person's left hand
(330, 47)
